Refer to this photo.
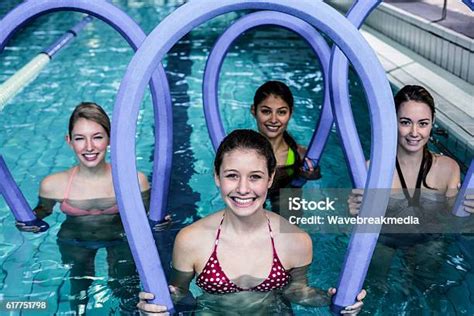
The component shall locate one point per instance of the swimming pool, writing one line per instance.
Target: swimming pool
(34, 122)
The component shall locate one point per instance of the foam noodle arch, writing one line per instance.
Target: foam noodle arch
(133, 34)
(340, 96)
(320, 15)
(221, 47)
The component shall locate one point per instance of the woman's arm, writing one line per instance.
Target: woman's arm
(146, 198)
(298, 251)
(46, 201)
(51, 190)
(354, 201)
(179, 290)
(179, 285)
(299, 292)
(145, 190)
(184, 256)
(44, 208)
(182, 274)
(312, 172)
(143, 182)
(449, 171)
(297, 248)
(454, 173)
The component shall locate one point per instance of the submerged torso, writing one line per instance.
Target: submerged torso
(92, 227)
(432, 214)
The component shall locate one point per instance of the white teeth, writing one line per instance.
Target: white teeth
(273, 128)
(242, 201)
(90, 157)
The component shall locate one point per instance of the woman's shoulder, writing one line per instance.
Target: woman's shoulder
(200, 230)
(445, 163)
(294, 244)
(445, 172)
(282, 225)
(445, 167)
(53, 185)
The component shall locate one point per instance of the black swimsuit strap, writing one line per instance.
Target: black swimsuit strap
(415, 200)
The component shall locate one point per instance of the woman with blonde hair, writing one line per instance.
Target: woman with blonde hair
(85, 193)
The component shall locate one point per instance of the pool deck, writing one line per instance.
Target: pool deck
(405, 64)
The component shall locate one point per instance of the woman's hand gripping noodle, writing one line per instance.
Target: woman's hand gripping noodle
(179, 292)
(299, 292)
(42, 210)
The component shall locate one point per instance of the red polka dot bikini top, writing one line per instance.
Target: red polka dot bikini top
(214, 280)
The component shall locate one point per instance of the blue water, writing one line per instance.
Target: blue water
(34, 122)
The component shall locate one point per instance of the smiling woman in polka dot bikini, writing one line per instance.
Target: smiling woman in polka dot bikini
(246, 258)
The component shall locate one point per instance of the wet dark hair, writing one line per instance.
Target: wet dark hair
(281, 90)
(90, 111)
(246, 139)
(418, 94)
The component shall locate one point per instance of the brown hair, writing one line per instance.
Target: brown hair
(246, 139)
(417, 94)
(90, 111)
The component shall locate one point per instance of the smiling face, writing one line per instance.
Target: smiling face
(243, 180)
(89, 141)
(272, 115)
(414, 125)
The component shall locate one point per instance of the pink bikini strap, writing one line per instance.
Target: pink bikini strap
(271, 234)
(68, 188)
(218, 233)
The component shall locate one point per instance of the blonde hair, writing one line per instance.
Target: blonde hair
(90, 111)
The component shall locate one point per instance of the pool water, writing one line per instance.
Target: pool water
(90, 69)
